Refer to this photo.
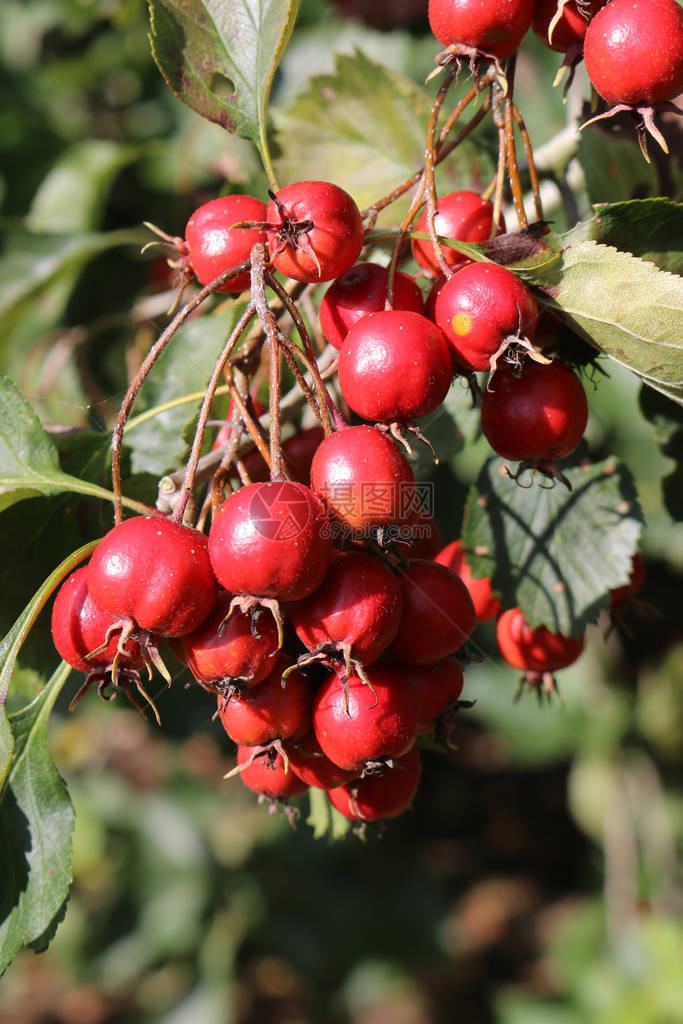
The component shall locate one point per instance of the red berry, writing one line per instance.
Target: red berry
(244, 648)
(438, 615)
(373, 726)
(266, 774)
(634, 51)
(571, 27)
(312, 766)
(362, 290)
(435, 687)
(271, 540)
(535, 650)
(357, 606)
(463, 216)
(621, 595)
(154, 572)
(493, 26)
(394, 365)
(423, 535)
(430, 302)
(275, 709)
(363, 478)
(486, 604)
(318, 231)
(539, 414)
(480, 307)
(383, 795)
(214, 246)
(79, 627)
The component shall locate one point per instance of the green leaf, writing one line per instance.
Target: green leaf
(614, 168)
(364, 128)
(36, 827)
(12, 642)
(220, 56)
(29, 463)
(556, 553)
(625, 307)
(667, 420)
(72, 196)
(6, 748)
(651, 229)
(157, 445)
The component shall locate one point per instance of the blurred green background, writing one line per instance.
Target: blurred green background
(537, 880)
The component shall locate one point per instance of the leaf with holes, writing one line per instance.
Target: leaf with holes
(36, 827)
(556, 553)
(220, 56)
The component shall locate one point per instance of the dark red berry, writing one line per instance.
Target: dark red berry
(538, 414)
(312, 766)
(271, 540)
(266, 774)
(394, 365)
(274, 709)
(535, 650)
(385, 794)
(438, 615)
(479, 309)
(486, 604)
(317, 231)
(570, 29)
(622, 595)
(463, 216)
(214, 245)
(495, 26)
(435, 687)
(362, 290)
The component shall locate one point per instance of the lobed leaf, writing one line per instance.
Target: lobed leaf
(36, 828)
(556, 553)
(219, 57)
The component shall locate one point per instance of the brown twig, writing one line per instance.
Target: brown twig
(513, 169)
(528, 149)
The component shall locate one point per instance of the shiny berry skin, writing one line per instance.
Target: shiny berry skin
(213, 247)
(394, 365)
(362, 290)
(358, 603)
(633, 51)
(534, 650)
(271, 540)
(79, 627)
(463, 216)
(486, 604)
(154, 572)
(275, 709)
(312, 766)
(569, 31)
(494, 26)
(244, 648)
(376, 726)
(266, 775)
(363, 478)
(478, 308)
(438, 615)
(435, 687)
(384, 795)
(540, 414)
(333, 243)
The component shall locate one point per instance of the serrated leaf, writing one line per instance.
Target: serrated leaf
(556, 553)
(651, 229)
(614, 168)
(72, 196)
(364, 127)
(29, 463)
(158, 444)
(205, 47)
(625, 307)
(36, 827)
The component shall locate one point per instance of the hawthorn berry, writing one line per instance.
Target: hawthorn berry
(435, 686)
(438, 614)
(486, 604)
(537, 415)
(363, 478)
(537, 652)
(315, 231)
(263, 770)
(362, 290)
(383, 794)
(278, 708)
(463, 216)
(394, 366)
(570, 28)
(483, 310)
(271, 540)
(213, 245)
(307, 760)
(493, 27)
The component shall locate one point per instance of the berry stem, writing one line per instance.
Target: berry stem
(430, 160)
(147, 364)
(259, 261)
(497, 185)
(513, 169)
(528, 149)
(204, 412)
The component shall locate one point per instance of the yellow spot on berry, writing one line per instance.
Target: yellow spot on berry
(461, 323)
